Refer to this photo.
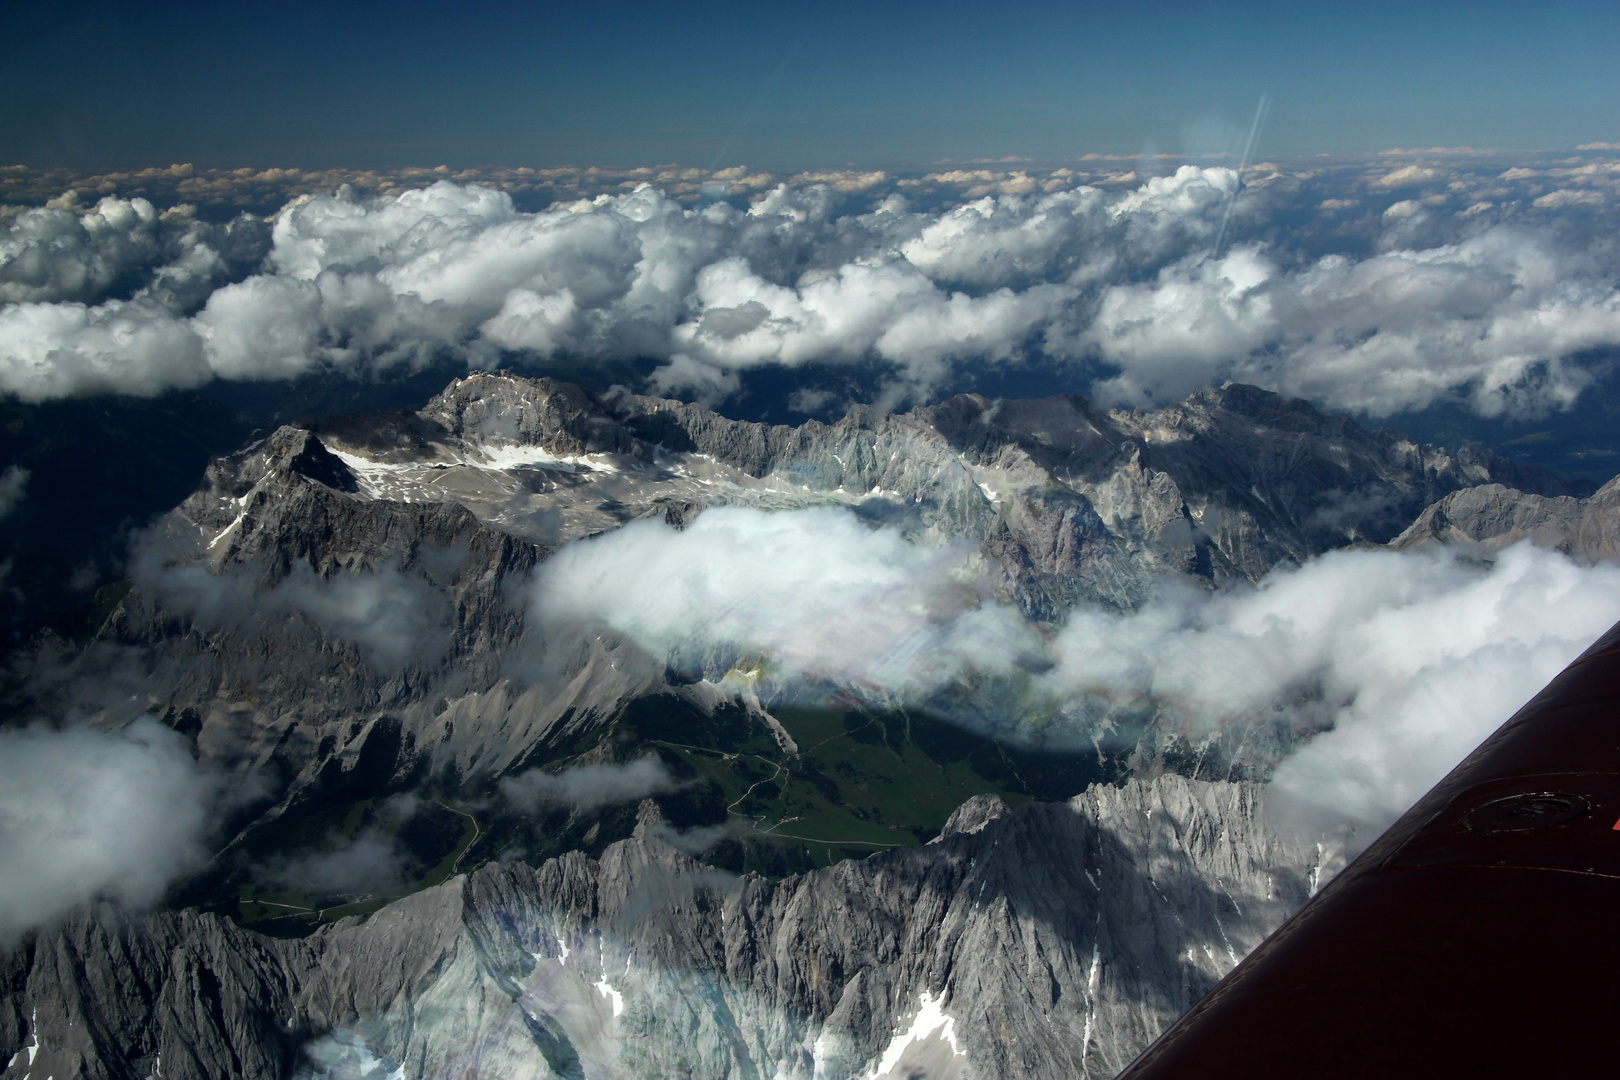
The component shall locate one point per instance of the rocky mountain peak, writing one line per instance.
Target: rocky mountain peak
(974, 815)
(496, 409)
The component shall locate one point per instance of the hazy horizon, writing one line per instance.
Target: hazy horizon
(115, 83)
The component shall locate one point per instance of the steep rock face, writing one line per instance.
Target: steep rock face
(179, 994)
(1053, 940)
(1234, 480)
(1071, 503)
(1491, 517)
(297, 623)
(308, 635)
(1084, 504)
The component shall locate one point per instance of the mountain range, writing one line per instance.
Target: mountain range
(764, 875)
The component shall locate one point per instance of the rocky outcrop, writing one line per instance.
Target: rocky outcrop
(1051, 940)
(1234, 480)
(1079, 503)
(1491, 517)
(1070, 502)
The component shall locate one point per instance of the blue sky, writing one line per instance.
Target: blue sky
(885, 85)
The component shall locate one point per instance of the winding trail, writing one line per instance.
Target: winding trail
(478, 830)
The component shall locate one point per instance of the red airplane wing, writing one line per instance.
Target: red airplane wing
(1478, 937)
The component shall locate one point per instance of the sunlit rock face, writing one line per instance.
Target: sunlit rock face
(1490, 517)
(1057, 939)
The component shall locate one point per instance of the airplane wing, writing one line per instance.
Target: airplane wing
(1478, 937)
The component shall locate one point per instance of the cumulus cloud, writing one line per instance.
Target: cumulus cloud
(68, 251)
(1119, 281)
(704, 382)
(1407, 176)
(890, 310)
(87, 814)
(1495, 316)
(587, 787)
(811, 597)
(261, 328)
(1406, 659)
(1388, 666)
(353, 284)
(51, 253)
(1565, 198)
(129, 347)
(1179, 330)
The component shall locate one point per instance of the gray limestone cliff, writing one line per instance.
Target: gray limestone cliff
(1490, 517)
(1056, 939)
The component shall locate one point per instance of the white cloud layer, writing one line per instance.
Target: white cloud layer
(1413, 658)
(1464, 302)
(1403, 661)
(87, 814)
(798, 596)
(1497, 314)
(68, 252)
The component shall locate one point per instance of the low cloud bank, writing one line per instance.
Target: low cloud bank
(1494, 303)
(798, 596)
(372, 861)
(1410, 658)
(344, 1055)
(1390, 665)
(87, 814)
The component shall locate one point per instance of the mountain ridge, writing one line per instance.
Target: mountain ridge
(1058, 938)
(433, 518)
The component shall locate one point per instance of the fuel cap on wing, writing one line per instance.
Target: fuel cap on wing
(1531, 810)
